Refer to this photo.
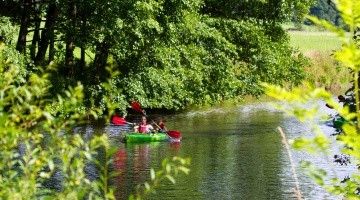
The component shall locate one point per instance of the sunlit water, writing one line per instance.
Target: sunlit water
(235, 154)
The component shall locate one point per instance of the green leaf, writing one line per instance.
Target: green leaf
(152, 174)
(171, 179)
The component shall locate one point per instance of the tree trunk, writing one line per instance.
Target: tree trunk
(25, 19)
(70, 39)
(82, 58)
(83, 40)
(101, 56)
(47, 34)
(52, 46)
(36, 35)
(35, 40)
(356, 37)
(69, 53)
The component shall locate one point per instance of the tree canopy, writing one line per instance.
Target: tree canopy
(168, 53)
(326, 9)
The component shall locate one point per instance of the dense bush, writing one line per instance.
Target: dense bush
(197, 59)
(170, 53)
(267, 58)
(8, 31)
(36, 136)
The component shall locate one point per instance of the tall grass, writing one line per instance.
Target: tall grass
(323, 70)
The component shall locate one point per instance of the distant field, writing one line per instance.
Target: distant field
(314, 41)
(323, 71)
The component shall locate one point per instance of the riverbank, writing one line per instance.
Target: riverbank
(229, 104)
(322, 70)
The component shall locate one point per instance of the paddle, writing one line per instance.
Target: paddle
(137, 107)
(174, 134)
(171, 133)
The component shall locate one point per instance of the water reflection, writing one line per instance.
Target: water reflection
(133, 163)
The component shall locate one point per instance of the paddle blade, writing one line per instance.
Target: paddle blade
(174, 134)
(136, 106)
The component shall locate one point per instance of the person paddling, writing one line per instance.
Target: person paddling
(161, 125)
(144, 127)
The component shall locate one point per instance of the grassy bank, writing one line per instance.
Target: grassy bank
(320, 41)
(323, 70)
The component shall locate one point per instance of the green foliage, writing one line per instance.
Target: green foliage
(96, 21)
(178, 57)
(38, 142)
(36, 139)
(325, 71)
(103, 162)
(324, 9)
(171, 53)
(112, 96)
(267, 58)
(178, 62)
(348, 56)
(103, 98)
(274, 11)
(11, 57)
(8, 31)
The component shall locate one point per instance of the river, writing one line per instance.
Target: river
(236, 153)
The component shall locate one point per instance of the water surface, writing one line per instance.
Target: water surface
(235, 154)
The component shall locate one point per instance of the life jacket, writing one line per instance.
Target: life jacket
(117, 120)
(143, 128)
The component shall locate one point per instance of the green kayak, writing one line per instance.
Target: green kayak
(139, 137)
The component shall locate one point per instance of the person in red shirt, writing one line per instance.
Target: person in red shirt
(161, 124)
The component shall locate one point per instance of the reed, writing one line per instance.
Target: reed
(324, 71)
(297, 190)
